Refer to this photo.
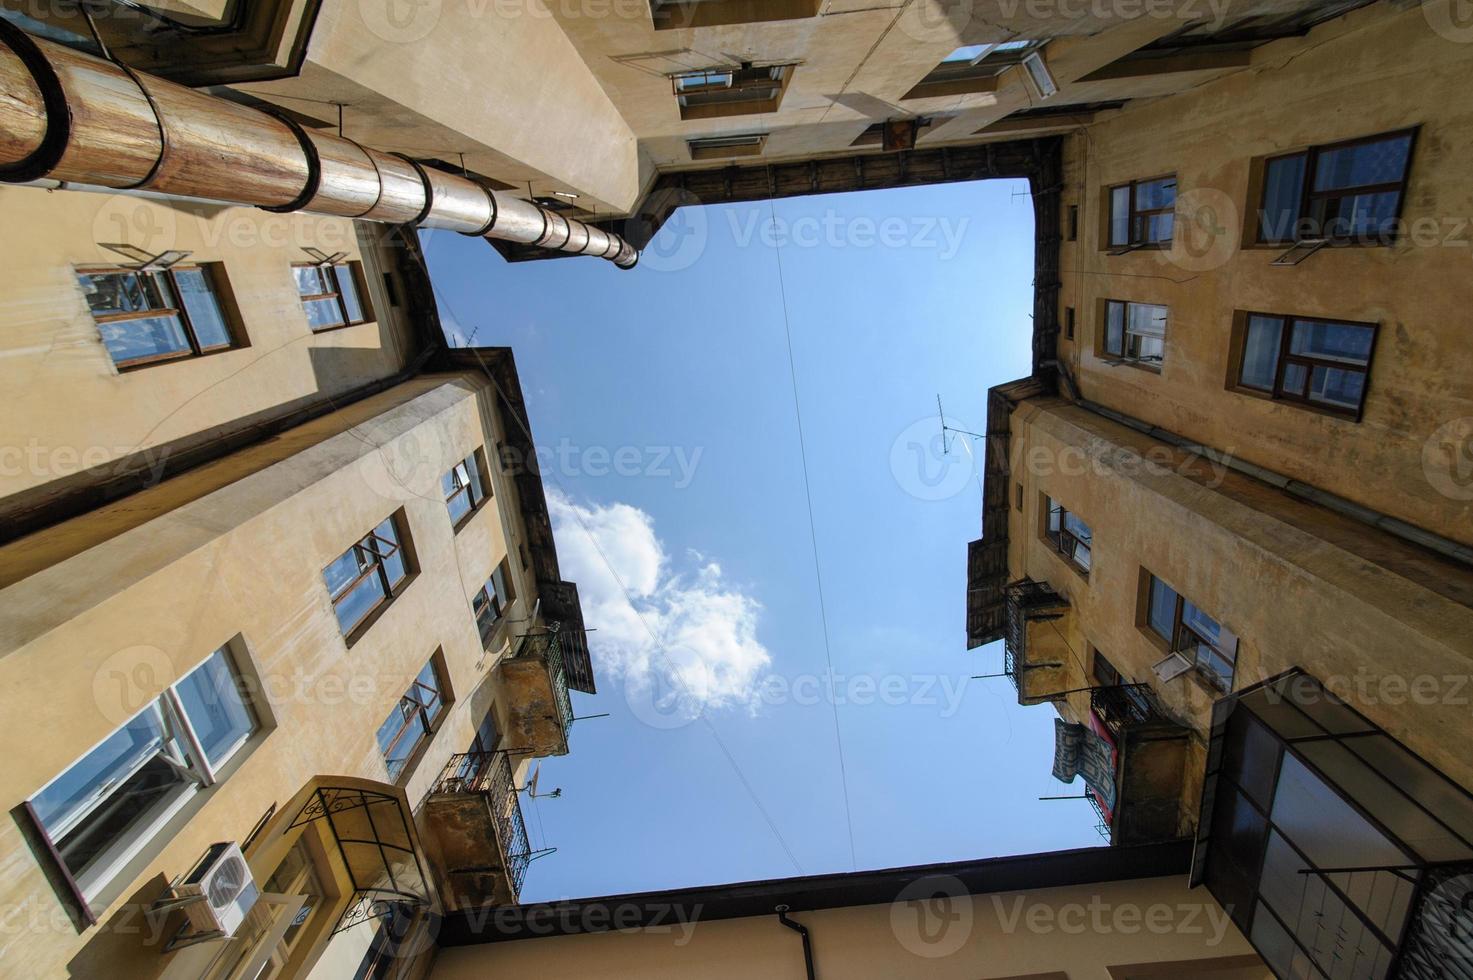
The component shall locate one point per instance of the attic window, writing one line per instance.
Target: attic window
(893, 134)
(973, 68)
(716, 92)
(721, 147)
(675, 14)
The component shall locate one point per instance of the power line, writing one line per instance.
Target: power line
(813, 539)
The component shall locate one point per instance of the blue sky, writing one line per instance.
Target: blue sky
(663, 400)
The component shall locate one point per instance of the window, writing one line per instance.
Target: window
(366, 576)
(730, 91)
(101, 811)
(1104, 672)
(464, 487)
(412, 722)
(330, 295)
(972, 68)
(1135, 331)
(1339, 191)
(1323, 363)
(1073, 222)
(673, 14)
(1070, 536)
(1069, 322)
(488, 734)
(147, 317)
(1143, 213)
(490, 602)
(721, 147)
(1187, 630)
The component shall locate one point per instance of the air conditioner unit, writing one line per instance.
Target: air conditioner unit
(227, 891)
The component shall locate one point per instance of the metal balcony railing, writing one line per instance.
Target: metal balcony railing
(1123, 705)
(490, 773)
(546, 648)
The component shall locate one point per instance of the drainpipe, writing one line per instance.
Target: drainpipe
(70, 117)
(802, 930)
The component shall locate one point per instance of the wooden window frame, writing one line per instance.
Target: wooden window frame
(440, 698)
(1238, 354)
(1135, 214)
(1181, 631)
(753, 105)
(1065, 542)
(389, 591)
(352, 268)
(218, 290)
(1307, 194)
(1123, 357)
(476, 460)
(494, 601)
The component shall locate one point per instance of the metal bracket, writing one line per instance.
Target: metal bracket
(1300, 251)
(321, 258)
(142, 261)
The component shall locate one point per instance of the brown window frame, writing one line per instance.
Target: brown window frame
(1065, 541)
(221, 295)
(388, 590)
(418, 715)
(1307, 194)
(494, 601)
(353, 269)
(1181, 632)
(1135, 214)
(475, 462)
(738, 79)
(1309, 362)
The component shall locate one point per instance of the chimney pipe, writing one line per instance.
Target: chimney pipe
(72, 117)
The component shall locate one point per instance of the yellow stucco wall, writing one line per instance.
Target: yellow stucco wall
(1300, 586)
(68, 407)
(1087, 932)
(1376, 70)
(110, 627)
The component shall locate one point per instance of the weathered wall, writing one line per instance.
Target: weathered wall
(69, 409)
(1376, 70)
(110, 627)
(1300, 585)
(1012, 935)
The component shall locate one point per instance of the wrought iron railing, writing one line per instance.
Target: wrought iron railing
(490, 773)
(547, 648)
(1122, 705)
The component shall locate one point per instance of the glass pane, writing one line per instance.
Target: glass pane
(1324, 826)
(323, 313)
(1158, 227)
(1146, 349)
(1120, 215)
(449, 482)
(1077, 527)
(93, 805)
(1346, 342)
(1055, 516)
(1358, 215)
(1283, 189)
(1251, 757)
(214, 707)
(203, 309)
(1295, 377)
(1381, 162)
(343, 571)
(1261, 351)
(119, 292)
(1146, 318)
(1429, 787)
(966, 54)
(348, 289)
(1337, 387)
(1200, 623)
(356, 604)
(1081, 554)
(1162, 615)
(396, 754)
(459, 506)
(1153, 194)
(1115, 328)
(131, 340)
(309, 280)
(473, 473)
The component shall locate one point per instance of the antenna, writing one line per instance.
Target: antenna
(941, 414)
(531, 787)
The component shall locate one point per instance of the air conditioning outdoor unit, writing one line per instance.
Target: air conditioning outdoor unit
(223, 880)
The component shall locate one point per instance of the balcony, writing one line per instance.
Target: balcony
(536, 684)
(1035, 648)
(476, 837)
(1150, 764)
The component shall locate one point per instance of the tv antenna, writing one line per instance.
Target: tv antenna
(941, 414)
(531, 787)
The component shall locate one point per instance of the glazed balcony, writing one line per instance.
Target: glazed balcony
(1035, 648)
(476, 835)
(536, 685)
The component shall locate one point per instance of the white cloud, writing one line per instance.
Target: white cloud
(704, 629)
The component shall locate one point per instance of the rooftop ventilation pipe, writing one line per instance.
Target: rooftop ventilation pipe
(71, 117)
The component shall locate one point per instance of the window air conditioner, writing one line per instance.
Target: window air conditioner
(223, 880)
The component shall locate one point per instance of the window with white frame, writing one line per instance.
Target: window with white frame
(1187, 630)
(1135, 331)
(98, 814)
(1068, 534)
